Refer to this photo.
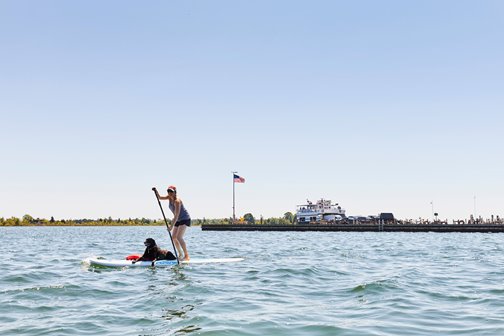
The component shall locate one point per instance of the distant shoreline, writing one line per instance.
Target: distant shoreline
(29, 221)
(227, 223)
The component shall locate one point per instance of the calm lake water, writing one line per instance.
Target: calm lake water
(291, 283)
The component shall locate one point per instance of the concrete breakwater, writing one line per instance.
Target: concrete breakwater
(375, 227)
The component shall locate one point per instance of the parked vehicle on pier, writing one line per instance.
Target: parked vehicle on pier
(387, 217)
(358, 219)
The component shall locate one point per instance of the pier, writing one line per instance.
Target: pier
(375, 227)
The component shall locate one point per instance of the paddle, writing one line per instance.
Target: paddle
(166, 222)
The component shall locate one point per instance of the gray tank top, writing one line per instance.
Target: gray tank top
(184, 215)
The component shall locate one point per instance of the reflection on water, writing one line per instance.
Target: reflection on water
(187, 330)
(169, 314)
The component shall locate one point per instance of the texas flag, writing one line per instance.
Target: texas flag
(238, 179)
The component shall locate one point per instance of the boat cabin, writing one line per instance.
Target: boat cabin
(322, 210)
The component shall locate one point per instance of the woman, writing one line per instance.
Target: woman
(181, 220)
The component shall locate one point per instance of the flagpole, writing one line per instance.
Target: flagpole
(234, 218)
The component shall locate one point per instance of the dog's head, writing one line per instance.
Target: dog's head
(149, 242)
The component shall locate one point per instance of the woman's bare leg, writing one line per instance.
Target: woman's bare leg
(175, 233)
(180, 239)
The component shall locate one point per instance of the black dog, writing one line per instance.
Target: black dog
(153, 252)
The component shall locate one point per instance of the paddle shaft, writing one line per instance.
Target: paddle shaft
(166, 222)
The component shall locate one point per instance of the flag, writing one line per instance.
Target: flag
(238, 179)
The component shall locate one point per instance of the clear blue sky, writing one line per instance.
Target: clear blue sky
(377, 105)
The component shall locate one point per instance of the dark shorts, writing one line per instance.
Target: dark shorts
(183, 222)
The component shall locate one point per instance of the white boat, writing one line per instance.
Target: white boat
(322, 210)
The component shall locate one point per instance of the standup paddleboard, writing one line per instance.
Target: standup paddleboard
(98, 261)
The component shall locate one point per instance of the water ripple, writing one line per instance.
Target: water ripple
(290, 283)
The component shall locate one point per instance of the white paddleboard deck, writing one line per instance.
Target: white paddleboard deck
(98, 261)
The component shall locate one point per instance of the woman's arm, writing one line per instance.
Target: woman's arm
(159, 196)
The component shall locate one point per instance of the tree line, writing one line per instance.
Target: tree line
(27, 220)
